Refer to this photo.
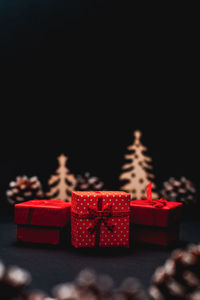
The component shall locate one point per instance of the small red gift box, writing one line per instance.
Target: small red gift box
(41, 221)
(158, 213)
(146, 213)
(100, 219)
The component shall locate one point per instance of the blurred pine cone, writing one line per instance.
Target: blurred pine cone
(179, 190)
(24, 189)
(66, 291)
(89, 286)
(86, 287)
(179, 278)
(132, 290)
(13, 281)
(88, 183)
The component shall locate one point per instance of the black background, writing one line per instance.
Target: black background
(78, 77)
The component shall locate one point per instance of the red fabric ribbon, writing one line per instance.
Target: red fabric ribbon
(31, 209)
(159, 203)
(30, 215)
(38, 202)
(149, 191)
(100, 216)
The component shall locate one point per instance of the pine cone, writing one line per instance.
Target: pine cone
(89, 286)
(24, 189)
(88, 183)
(97, 287)
(13, 281)
(132, 290)
(179, 191)
(66, 291)
(179, 278)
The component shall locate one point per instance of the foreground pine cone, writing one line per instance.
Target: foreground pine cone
(86, 287)
(24, 189)
(179, 190)
(179, 278)
(96, 287)
(88, 183)
(89, 286)
(13, 281)
(132, 290)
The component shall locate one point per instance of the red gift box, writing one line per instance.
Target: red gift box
(158, 219)
(148, 213)
(41, 221)
(159, 212)
(100, 219)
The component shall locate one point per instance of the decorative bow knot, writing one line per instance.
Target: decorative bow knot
(100, 216)
(158, 203)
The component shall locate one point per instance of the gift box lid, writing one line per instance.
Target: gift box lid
(81, 200)
(158, 212)
(54, 213)
(167, 206)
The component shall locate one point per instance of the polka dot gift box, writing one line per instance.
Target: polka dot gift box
(100, 219)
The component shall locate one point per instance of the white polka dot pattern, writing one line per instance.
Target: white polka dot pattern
(80, 235)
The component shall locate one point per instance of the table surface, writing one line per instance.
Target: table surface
(50, 265)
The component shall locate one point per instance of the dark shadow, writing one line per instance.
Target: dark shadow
(114, 251)
(20, 244)
(101, 251)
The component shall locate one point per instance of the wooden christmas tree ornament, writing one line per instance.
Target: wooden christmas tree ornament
(136, 173)
(62, 183)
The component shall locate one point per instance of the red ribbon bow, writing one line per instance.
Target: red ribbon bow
(100, 216)
(159, 203)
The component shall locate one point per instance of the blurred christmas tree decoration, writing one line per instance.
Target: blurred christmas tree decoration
(88, 183)
(179, 277)
(24, 189)
(181, 190)
(62, 183)
(136, 173)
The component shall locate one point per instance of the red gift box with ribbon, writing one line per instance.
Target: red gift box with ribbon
(100, 219)
(159, 212)
(42, 221)
(155, 221)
